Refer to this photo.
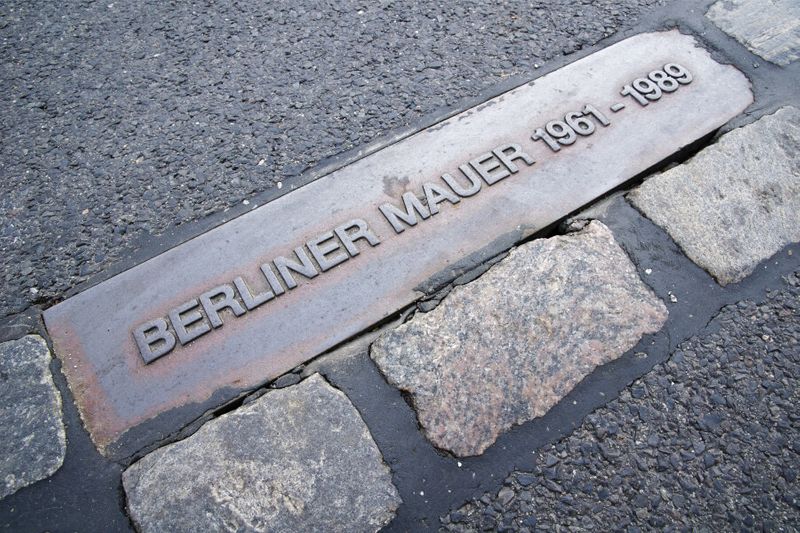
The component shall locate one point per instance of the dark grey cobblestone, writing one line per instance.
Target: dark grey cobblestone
(120, 120)
(708, 441)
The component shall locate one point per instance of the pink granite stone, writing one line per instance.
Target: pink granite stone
(507, 347)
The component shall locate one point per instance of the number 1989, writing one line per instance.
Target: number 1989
(658, 82)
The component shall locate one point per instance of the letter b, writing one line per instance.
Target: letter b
(149, 334)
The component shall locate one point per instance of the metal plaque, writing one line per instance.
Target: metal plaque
(246, 302)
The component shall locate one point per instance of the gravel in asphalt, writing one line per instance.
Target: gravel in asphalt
(121, 120)
(708, 441)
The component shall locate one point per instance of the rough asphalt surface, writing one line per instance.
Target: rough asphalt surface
(121, 120)
(708, 441)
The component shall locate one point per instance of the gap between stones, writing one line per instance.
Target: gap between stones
(365, 338)
(427, 303)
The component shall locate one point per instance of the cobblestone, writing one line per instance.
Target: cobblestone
(32, 441)
(296, 459)
(507, 347)
(735, 203)
(769, 29)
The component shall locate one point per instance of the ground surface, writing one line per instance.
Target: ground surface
(121, 120)
(127, 127)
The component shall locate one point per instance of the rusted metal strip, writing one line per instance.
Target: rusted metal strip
(253, 298)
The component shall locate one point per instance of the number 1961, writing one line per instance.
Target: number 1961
(563, 132)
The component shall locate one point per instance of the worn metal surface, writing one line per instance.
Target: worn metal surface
(93, 332)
